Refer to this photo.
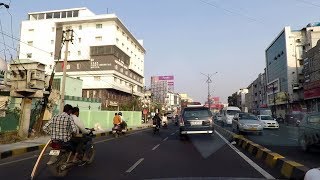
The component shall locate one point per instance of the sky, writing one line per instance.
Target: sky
(185, 38)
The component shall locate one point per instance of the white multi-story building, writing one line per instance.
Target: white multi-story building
(284, 65)
(103, 53)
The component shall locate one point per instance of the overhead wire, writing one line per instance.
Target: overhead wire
(5, 46)
(230, 11)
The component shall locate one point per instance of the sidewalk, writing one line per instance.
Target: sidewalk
(18, 148)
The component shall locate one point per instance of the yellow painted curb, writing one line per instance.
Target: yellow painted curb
(272, 158)
(287, 168)
(261, 151)
(19, 151)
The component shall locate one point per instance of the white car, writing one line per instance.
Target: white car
(312, 174)
(268, 122)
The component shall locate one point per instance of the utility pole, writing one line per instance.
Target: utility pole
(67, 38)
(208, 81)
(274, 100)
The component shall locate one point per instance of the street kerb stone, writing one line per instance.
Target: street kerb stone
(272, 159)
(293, 170)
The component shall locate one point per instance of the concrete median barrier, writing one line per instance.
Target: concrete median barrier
(287, 168)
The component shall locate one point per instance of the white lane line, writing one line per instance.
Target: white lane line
(105, 140)
(293, 139)
(177, 130)
(19, 160)
(154, 148)
(172, 134)
(273, 134)
(165, 138)
(134, 166)
(253, 164)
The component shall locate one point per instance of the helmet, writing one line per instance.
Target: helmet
(120, 113)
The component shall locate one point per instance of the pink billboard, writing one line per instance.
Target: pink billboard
(166, 78)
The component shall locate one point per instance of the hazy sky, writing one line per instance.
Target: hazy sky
(186, 37)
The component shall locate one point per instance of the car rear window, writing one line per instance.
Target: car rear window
(192, 113)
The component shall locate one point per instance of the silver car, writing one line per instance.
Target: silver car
(246, 122)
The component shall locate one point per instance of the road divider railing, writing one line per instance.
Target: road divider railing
(285, 167)
(23, 150)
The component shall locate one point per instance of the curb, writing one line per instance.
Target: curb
(20, 151)
(287, 168)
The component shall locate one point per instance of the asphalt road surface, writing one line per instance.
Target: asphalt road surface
(142, 155)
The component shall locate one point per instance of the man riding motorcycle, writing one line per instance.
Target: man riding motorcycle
(61, 127)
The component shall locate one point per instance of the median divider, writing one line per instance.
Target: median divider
(287, 168)
(23, 150)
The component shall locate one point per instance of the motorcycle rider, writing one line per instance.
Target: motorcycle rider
(116, 120)
(157, 120)
(123, 123)
(61, 127)
(79, 140)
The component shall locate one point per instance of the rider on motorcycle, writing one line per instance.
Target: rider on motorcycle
(157, 120)
(61, 127)
(123, 123)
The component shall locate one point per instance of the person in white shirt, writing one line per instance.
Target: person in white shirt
(75, 116)
(78, 140)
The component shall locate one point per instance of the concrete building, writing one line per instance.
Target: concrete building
(284, 62)
(185, 97)
(160, 87)
(241, 100)
(249, 98)
(312, 79)
(172, 101)
(104, 53)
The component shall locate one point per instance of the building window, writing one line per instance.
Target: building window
(52, 29)
(122, 44)
(117, 40)
(126, 72)
(98, 38)
(31, 30)
(41, 16)
(116, 67)
(79, 40)
(51, 54)
(80, 27)
(52, 41)
(121, 70)
(79, 53)
(98, 26)
(69, 13)
(30, 43)
(56, 15)
(96, 78)
(78, 66)
(68, 53)
(75, 13)
(115, 79)
(29, 55)
(48, 15)
(63, 14)
(88, 94)
(121, 81)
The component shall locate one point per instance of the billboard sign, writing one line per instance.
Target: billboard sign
(273, 84)
(166, 78)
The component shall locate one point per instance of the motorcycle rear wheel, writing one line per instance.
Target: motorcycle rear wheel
(56, 168)
(90, 155)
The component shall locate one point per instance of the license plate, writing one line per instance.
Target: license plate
(196, 123)
(54, 153)
(253, 129)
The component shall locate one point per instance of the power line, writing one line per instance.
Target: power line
(11, 25)
(4, 41)
(230, 11)
(310, 3)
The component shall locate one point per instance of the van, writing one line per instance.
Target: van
(228, 114)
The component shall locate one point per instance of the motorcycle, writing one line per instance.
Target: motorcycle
(156, 128)
(117, 130)
(61, 155)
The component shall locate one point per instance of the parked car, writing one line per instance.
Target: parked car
(196, 120)
(246, 122)
(268, 122)
(309, 131)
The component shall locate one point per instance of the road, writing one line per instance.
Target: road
(285, 142)
(142, 155)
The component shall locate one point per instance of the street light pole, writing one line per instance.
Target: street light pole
(208, 81)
